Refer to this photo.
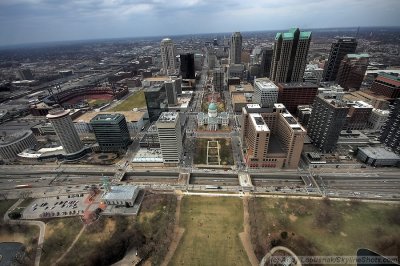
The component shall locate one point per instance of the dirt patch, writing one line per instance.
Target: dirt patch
(293, 218)
(13, 237)
(343, 234)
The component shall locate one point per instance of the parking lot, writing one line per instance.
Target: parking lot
(60, 206)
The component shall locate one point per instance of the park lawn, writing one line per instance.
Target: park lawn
(360, 225)
(200, 155)
(226, 152)
(136, 100)
(60, 233)
(212, 225)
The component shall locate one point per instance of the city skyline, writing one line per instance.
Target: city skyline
(32, 21)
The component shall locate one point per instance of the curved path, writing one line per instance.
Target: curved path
(41, 225)
(279, 248)
(72, 245)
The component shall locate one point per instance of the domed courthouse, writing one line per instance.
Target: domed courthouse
(212, 119)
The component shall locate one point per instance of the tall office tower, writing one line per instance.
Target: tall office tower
(296, 93)
(327, 119)
(66, 132)
(187, 66)
(111, 131)
(171, 92)
(352, 71)
(390, 133)
(387, 85)
(218, 80)
(177, 84)
(235, 54)
(156, 101)
(290, 55)
(24, 74)
(265, 62)
(339, 49)
(272, 137)
(170, 136)
(168, 56)
(265, 92)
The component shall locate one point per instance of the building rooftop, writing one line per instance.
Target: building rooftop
(298, 85)
(124, 192)
(265, 84)
(130, 116)
(391, 79)
(106, 117)
(379, 153)
(241, 88)
(357, 56)
(168, 117)
(239, 98)
(58, 112)
(258, 122)
(14, 137)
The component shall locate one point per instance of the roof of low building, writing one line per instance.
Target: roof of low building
(126, 192)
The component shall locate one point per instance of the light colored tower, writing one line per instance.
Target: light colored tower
(170, 136)
(236, 48)
(290, 55)
(265, 92)
(66, 132)
(168, 56)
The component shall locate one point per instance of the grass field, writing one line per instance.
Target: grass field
(225, 151)
(136, 100)
(315, 227)
(97, 102)
(60, 233)
(211, 232)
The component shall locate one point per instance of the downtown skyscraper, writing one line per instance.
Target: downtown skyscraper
(168, 57)
(339, 50)
(235, 54)
(290, 55)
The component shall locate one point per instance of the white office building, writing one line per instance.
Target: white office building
(170, 137)
(377, 119)
(265, 92)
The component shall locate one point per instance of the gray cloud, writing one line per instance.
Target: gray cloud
(47, 20)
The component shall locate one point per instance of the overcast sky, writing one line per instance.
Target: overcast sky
(25, 21)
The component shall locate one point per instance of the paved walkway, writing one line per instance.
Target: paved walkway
(72, 245)
(41, 225)
(178, 233)
(245, 236)
(279, 248)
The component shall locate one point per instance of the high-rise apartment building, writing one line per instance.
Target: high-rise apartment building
(390, 133)
(339, 49)
(187, 66)
(290, 55)
(156, 101)
(66, 132)
(170, 137)
(235, 54)
(168, 57)
(265, 92)
(387, 85)
(377, 119)
(111, 131)
(327, 119)
(296, 93)
(272, 137)
(265, 62)
(352, 71)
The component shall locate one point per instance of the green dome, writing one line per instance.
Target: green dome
(212, 106)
